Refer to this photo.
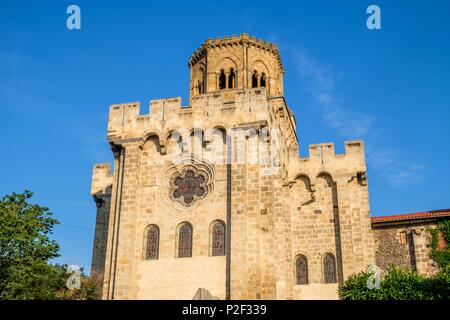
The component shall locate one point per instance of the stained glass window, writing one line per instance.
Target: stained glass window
(152, 243)
(189, 186)
(185, 241)
(218, 239)
(301, 270)
(329, 269)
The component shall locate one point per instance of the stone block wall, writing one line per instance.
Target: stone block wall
(101, 190)
(405, 245)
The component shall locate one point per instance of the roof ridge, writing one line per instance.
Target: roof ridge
(411, 216)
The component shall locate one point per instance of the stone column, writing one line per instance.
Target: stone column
(227, 79)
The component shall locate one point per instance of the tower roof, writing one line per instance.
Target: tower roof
(412, 216)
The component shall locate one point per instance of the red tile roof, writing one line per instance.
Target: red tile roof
(413, 216)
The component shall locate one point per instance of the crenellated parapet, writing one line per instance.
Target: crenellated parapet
(101, 178)
(235, 40)
(350, 166)
(102, 181)
(224, 109)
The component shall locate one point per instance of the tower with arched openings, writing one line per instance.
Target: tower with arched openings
(236, 63)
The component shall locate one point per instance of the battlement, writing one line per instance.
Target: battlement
(323, 158)
(102, 178)
(248, 104)
(325, 151)
(168, 102)
(230, 97)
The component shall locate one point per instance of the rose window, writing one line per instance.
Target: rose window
(188, 186)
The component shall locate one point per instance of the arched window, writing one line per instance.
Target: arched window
(301, 270)
(222, 80)
(231, 79)
(185, 241)
(218, 238)
(152, 246)
(255, 79)
(263, 80)
(329, 269)
(200, 87)
(201, 76)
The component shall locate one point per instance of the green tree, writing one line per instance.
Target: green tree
(25, 248)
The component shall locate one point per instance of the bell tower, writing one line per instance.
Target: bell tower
(239, 62)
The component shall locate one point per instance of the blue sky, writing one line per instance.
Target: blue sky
(389, 87)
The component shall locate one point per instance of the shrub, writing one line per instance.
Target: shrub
(398, 284)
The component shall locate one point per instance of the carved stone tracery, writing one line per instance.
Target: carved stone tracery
(188, 186)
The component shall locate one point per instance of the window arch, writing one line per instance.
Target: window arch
(222, 80)
(218, 236)
(301, 270)
(329, 268)
(255, 79)
(185, 240)
(201, 77)
(152, 243)
(200, 87)
(263, 80)
(232, 79)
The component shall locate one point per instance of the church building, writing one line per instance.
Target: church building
(211, 200)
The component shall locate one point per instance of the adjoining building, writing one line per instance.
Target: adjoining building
(404, 240)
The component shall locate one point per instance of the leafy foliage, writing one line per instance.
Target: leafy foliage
(90, 286)
(26, 247)
(398, 284)
(90, 289)
(442, 257)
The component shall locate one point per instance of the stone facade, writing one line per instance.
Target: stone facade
(295, 228)
(404, 240)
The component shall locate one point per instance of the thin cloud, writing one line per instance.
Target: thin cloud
(320, 82)
(398, 173)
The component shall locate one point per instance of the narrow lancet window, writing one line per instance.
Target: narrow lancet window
(301, 270)
(218, 238)
(329, 269)
(185, 241)
(152, 249)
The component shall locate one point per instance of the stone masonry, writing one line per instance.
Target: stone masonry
(405, 240)
(231, 156)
